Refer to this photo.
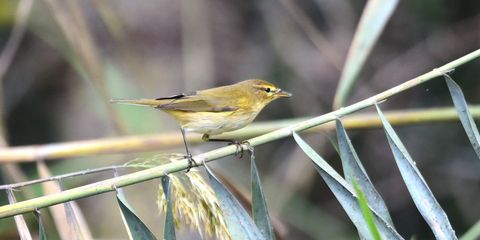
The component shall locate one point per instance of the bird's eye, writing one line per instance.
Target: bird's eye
(268, 90)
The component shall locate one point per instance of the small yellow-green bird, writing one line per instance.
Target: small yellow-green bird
(215, 110)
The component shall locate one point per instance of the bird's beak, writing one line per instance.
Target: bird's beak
(281, 93)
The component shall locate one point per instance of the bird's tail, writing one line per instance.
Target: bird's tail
(138, 102)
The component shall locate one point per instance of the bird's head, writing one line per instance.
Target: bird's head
(263, 90)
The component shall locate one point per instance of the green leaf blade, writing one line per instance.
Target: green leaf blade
(421, 194)
(259, 204)
(464, 113)
(374, 18)
(169, 229)
(74, 220)
(239, 224)
(137, 230)
(355, 172)
(42, 235)
(367, 214)
(345, 194)
(22, 227)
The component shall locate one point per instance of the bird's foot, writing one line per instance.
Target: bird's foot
(191, 162)
(239, 144)
(240, 148)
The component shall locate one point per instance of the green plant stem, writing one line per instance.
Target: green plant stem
(60, 177)
(59, 151)
(152, 173)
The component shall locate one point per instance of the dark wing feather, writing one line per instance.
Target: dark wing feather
(178, 96)
(195, 103)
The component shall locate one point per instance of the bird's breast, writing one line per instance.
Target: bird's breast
(214, 122)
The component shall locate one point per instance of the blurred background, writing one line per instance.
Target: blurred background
(75, 55)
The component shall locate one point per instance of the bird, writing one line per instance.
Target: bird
(216, 110)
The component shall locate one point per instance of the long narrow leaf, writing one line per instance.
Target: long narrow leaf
(464, 114)
(259, 204)
(137, 230)
(239, 224)
(169, 229)
(353, 170)
(68, 218)
(75, 218)
(374, 18)
(42, 235)
(72, 221)
(22, 228)
(367, 214)
(421, 194)
(345, 195)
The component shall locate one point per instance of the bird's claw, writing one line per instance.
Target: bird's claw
(239, 146)
(191, 162)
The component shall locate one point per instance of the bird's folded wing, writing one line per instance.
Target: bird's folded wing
(196, 103)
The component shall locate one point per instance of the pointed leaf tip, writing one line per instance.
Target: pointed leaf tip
(421, 194)
(464, 114)
(345, 194)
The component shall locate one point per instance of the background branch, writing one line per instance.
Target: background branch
(55, 151)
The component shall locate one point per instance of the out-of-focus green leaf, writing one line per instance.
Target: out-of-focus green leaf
(137, 119)
(353, 170)
(7, 13)
(473, 233)
(464, 114)
(367, 214)
(169, 229)
(345, 195)
(259, 204)
(22, 228)
(421, 194)
(137, 230)
(239, 224)
(374, 18)
(41, 229)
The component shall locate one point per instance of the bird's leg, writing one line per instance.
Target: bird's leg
(238, 144)
(191, 162)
